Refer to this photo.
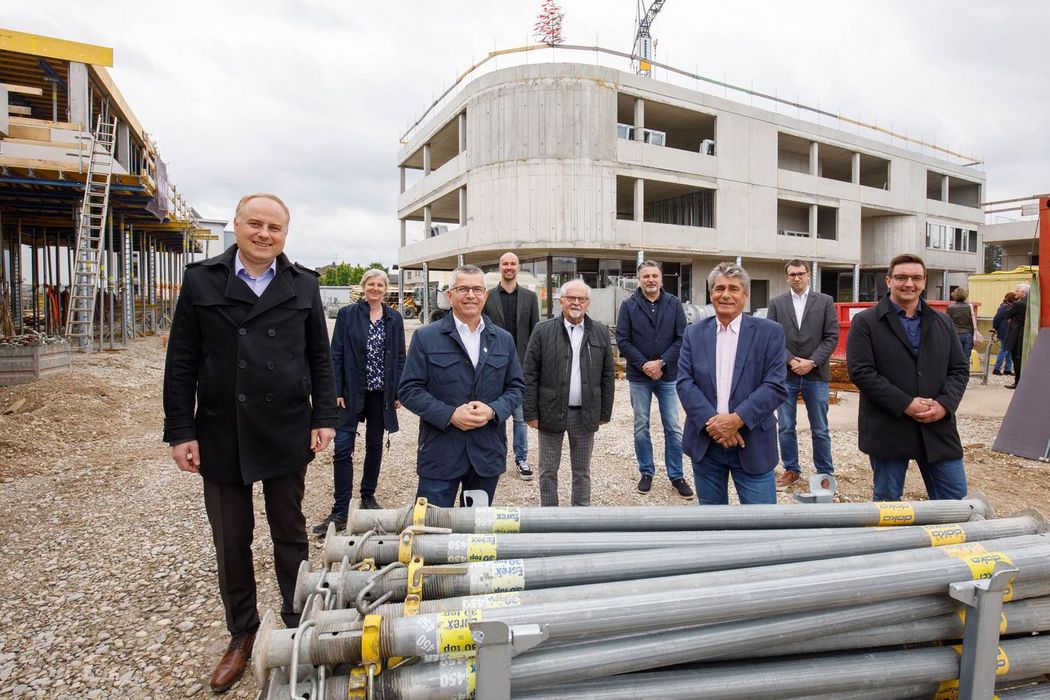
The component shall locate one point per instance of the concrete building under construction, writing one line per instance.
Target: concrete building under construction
(585, 169)
(93, 234)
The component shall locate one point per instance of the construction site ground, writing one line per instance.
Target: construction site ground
(106, 561)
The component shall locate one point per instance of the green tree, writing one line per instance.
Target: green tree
(993, 258)
(356, 273)
(337, 276)
(376, 265)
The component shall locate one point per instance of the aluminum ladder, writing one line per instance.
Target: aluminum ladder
(90, 229)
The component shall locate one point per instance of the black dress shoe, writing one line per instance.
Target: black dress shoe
(1012, 386)
(369, 503)
(322, 527)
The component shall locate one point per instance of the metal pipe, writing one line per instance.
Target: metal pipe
(443, 633)
(465, 547)
(659, 518)
(479, 578)
(786, 678)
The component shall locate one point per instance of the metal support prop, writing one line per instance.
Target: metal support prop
(504, 575)
(496, 644)
(980, 651)
(627, 518)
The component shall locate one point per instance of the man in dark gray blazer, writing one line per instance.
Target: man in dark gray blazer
(811, 329)
(569, 384)
(517, 311)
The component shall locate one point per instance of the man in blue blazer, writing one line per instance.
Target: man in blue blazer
(731, 375)
(463, 379)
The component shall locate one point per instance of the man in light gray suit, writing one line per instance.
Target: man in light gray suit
(517, 311)
(811, 329)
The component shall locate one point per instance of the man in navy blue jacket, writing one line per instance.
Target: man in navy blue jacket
(731, 381)
(649, 331)
(463, 379)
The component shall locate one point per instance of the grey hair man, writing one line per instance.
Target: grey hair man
(569, 385)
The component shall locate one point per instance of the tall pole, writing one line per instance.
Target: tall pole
(1044, 262)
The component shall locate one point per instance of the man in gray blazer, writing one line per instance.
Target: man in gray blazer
(811, 329)
(517, 311)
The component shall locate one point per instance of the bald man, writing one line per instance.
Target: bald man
(517, 311)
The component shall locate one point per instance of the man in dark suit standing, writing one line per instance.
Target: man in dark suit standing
(731, 380)
(907, 362)
(249, 396)
(811, 329)
(463, 379)
(517, 311)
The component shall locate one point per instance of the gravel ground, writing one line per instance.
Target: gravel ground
(106, 559)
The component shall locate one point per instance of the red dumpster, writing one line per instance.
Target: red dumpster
(846, 310)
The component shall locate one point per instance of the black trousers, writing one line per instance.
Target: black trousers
(232, 518)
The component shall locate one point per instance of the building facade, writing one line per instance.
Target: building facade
(583, 170)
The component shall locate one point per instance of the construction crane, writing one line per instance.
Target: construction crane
(643, 42)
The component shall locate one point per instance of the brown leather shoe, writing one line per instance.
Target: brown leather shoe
(231, 666)
(787, 479)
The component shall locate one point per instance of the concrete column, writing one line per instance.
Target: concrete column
(639, 200)
(814, 276)
(426, 222)
(404, 232)
(814, 158)
(812, 220)
(641, 257)
(462, 206)
(123, 145)
(401, 281)
(739, 261)
(425, 309)
(944, 188)
(401, 173)
(461, 122)
(460, 260)
(855, 174)
(944, 284)
(79, 101)
(426, 159)
(856, 282)
(639, 119)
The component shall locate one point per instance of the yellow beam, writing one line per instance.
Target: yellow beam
(49, 47)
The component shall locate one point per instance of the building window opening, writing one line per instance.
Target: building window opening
(793, 153)
(874, 172)
(827, 223)
(792, 219)
(834, 163)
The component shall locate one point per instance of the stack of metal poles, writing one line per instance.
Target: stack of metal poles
(820, 600)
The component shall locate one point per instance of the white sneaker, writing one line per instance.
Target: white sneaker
(523, 469)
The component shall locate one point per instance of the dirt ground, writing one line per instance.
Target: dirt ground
(105, 555)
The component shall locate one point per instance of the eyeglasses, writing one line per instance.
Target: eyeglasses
(904, 278)
(478, 291)
(795, 275)
(572, 299)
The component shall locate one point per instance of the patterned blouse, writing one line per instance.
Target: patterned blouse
(374, 355)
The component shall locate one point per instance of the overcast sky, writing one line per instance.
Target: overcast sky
(309, 98)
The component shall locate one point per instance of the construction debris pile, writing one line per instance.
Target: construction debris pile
(30, 338)
(825, 600)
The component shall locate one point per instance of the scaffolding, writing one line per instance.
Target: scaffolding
(53, 96)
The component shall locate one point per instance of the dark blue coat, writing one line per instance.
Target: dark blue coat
(349, 351)
(644, 334)
(757, 390)
(439, 377)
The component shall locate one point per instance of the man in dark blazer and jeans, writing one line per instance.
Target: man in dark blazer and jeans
(249, 396)
(649, 331)
(811, 329)
(517, 311)
(463, 379)
(909, 366)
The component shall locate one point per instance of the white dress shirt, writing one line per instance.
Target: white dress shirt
(726, 340)
(799, 302)
(575, 379)
(471, 339)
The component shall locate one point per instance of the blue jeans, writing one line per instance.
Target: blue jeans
(815, 396)
(521, 434)
(442, 492)
(966, 340)
(712, 479)
(1004, 361)
(945, 480)
(642, 402)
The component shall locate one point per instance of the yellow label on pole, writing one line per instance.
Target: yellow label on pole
(1008, 594)
(481, 548)
(458, 676)
(896, 513)
(947, 690)
(506, 520)
(453, 630)
(982, 565)
(941, 535)
(1002, 619)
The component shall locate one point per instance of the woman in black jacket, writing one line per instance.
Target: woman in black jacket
(368, 354)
